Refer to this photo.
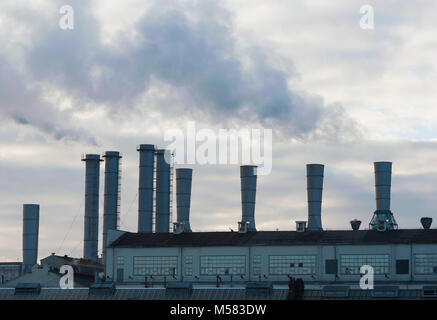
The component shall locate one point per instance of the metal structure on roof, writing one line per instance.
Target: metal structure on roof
(183, 198)
(163, 188)
(145, 187)
(314, 191)
(30, 235)
(248, 177)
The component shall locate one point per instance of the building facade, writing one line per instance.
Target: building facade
(398, 256)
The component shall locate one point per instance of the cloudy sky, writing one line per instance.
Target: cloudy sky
(131, 70)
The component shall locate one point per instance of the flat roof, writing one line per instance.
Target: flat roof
(274, 238)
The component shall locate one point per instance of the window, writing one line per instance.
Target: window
(189, 259)
(222, 265)
(351, 263)
(331, 266)
(257, 259)
(120, 261)
(425, 263)
(155, 266)
(188, 271)
(292, 265)
(402, 266)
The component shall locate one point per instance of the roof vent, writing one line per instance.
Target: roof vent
(178, 227)
(355, 224)
(301, 226)
(243, 226)
(426, 222)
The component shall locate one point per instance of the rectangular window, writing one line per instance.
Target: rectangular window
(292, 265)
(257, 259)
(188, 271)
(425, 263)
(188, 259)
(155, 266)
(351, 263)
(402, 266)
(120, 261)
(331, 266)
(222, 265)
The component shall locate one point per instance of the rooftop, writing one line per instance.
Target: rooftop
(274, 238)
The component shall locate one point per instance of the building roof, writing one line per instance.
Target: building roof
(274, 238)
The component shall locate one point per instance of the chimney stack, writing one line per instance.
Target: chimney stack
(145, 187)
(91, 225)
(111, 205)
(30, 235)
(162, 190)
(248, 177)
(183, 197)
(314, 193)
(383, 218)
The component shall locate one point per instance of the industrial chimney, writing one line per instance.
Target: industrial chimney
(383, 218)
(162, 190)
(314, 194)
(91, 225)
(30, 235)
(145, 188)
(183, 198)
(111, 204)
(248, 176)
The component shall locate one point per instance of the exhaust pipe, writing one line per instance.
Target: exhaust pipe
(145, 188)
(162, 190)
(314, 193)
(112, 195)
(383, 218)
(30, 236)
(248, 177)
(91, 225)
(183, 198)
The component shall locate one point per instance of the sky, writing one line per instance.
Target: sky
(130, 71)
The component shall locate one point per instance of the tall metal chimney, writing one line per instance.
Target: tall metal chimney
(145, 188)
(314, 193)
(91, 226)
(183, 197)
(162, 190)
(248, 178)
(383, 218)
(30, 235)
(111, 204)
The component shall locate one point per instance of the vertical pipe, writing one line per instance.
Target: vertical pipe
(162, 190)
(314, 193)
(145, 187)
(111, 196)
(30, 235)
(183, 196)
(383, 185)
(91, 225)
(248, 177)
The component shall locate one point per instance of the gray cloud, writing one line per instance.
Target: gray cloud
(191, 48)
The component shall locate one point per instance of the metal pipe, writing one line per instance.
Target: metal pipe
(248, 177)
(183, 197)
(383, 184)
(314, 193)
(162, 190)
(91, 223)
(30, 236)
(145, 188)
(112, 195)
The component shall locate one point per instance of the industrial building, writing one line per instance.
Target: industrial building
(167, 256)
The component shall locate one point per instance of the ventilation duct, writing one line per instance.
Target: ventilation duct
(91, 225)
(426, 222)
(145, 188)
(183, 199)
(355, 224)
(30, 235)
(248, 176)
(111, 204)
(314, 193)
(162, 190)
(383, 218)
